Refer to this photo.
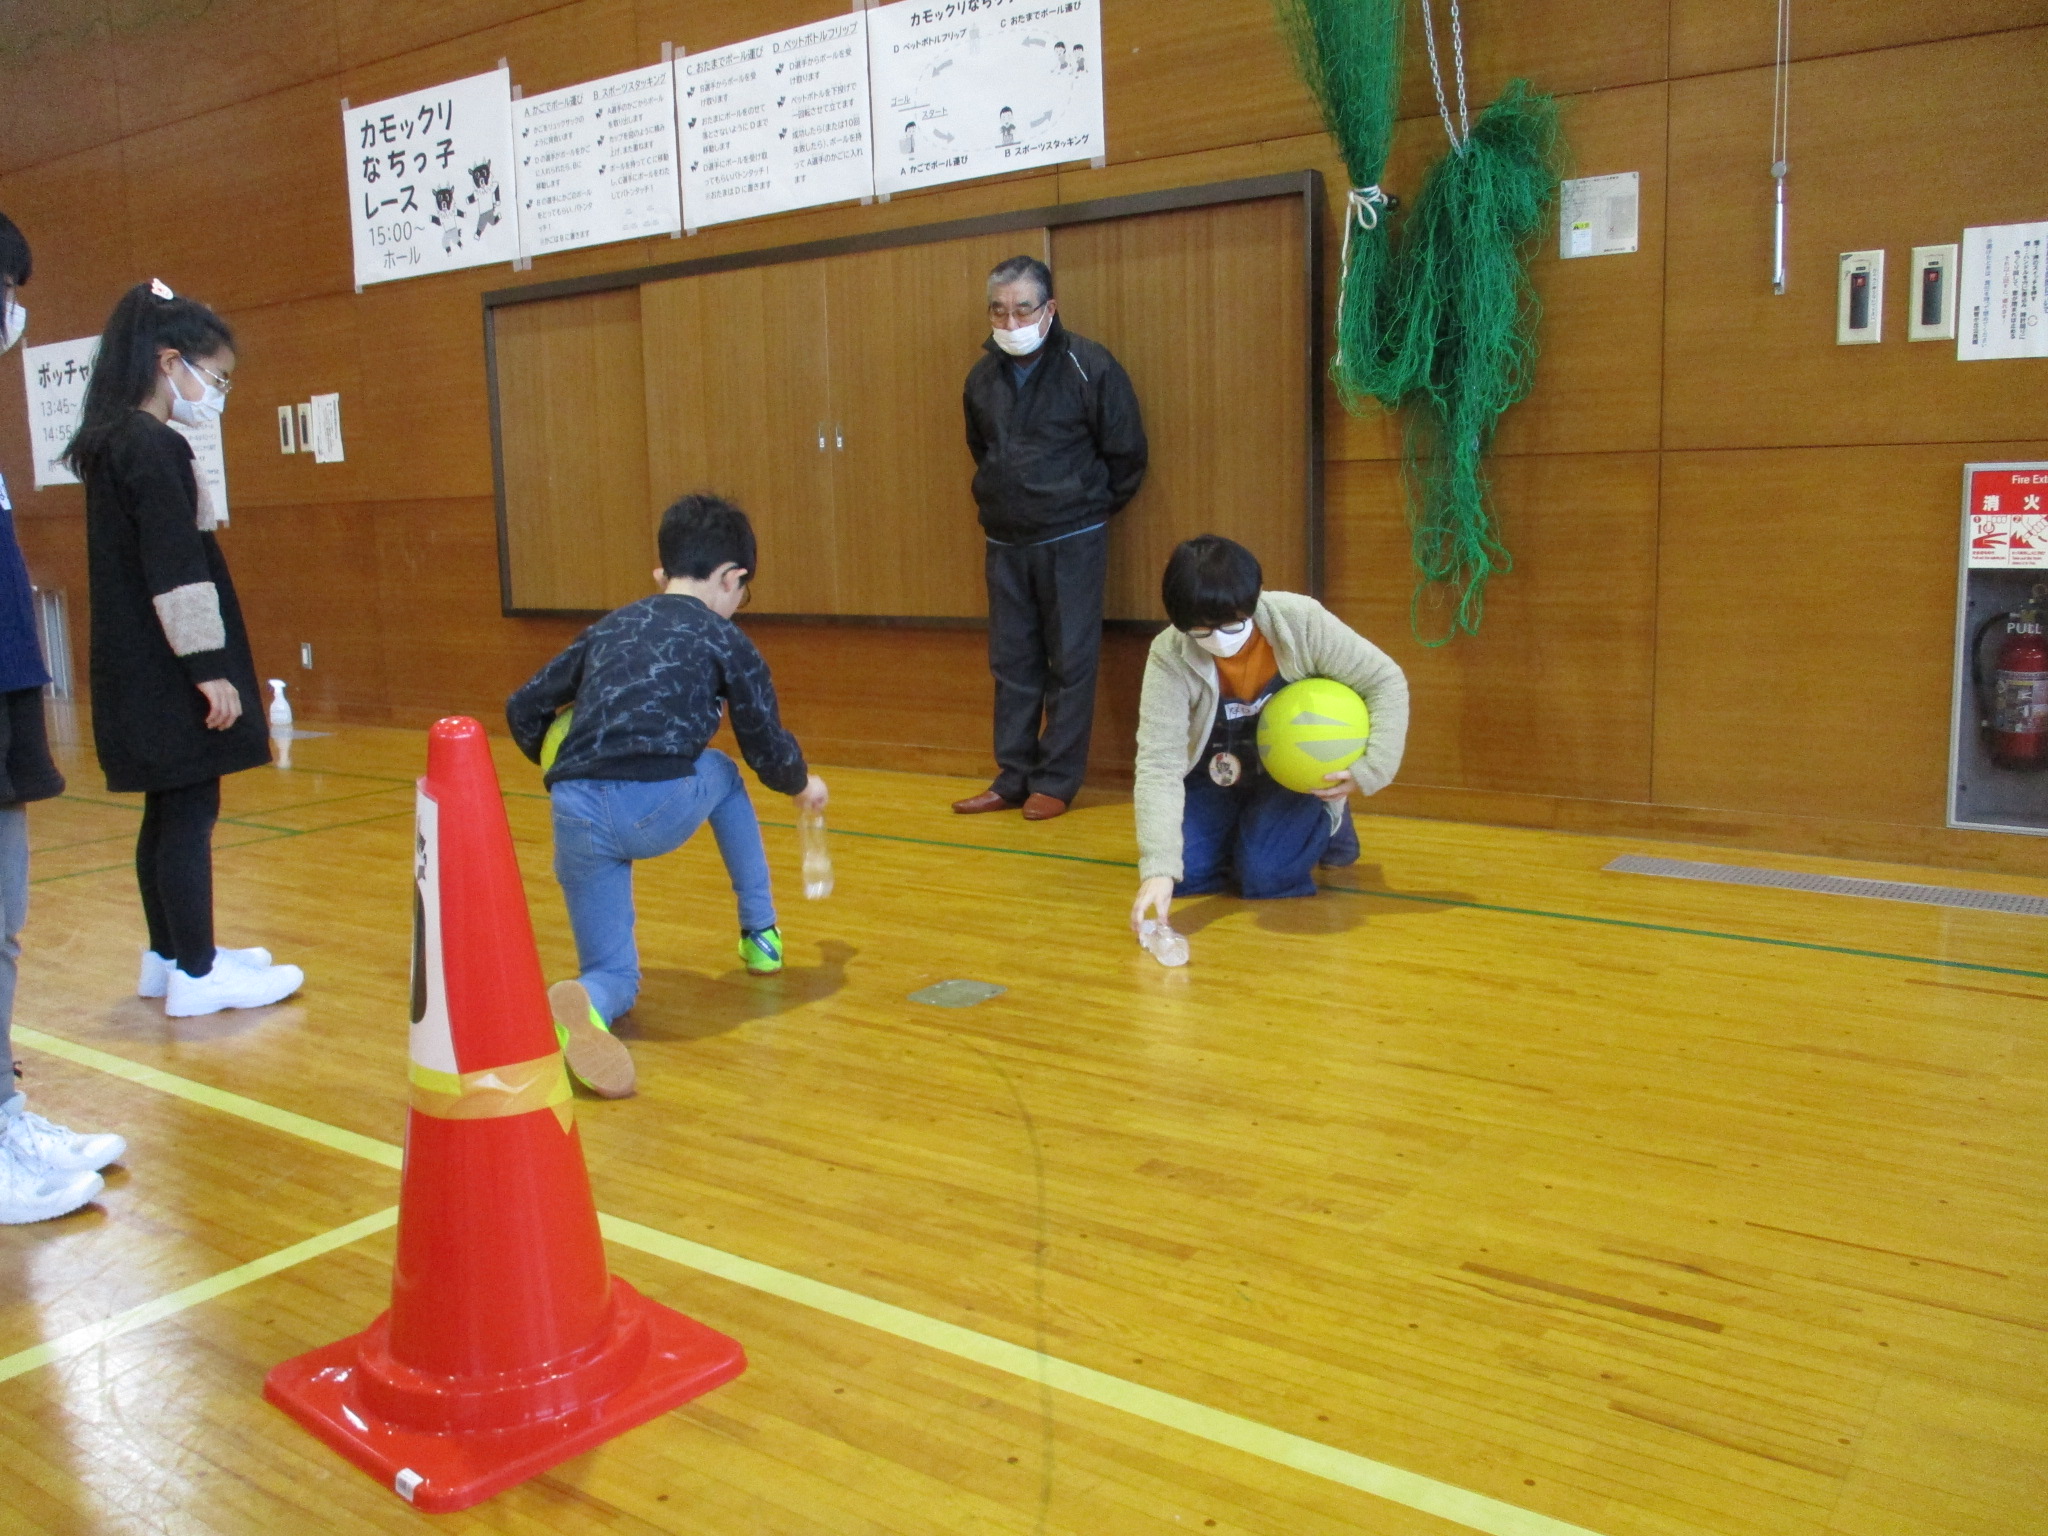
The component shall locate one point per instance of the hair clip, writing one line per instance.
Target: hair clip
(160, 288)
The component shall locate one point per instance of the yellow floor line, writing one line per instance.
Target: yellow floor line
(332, 1137)
(1475, 1511)
(92, 1335)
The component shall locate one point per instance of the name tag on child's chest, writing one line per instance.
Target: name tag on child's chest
(1234, 709)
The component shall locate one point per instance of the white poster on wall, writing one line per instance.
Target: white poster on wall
(56, 376)
(431, 179)
(979, 87)
(776, 122)
(2002, 308)
(1598, 215)
(597, 162)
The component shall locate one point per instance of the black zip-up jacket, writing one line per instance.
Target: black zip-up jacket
(1066, 450)
(647, 681)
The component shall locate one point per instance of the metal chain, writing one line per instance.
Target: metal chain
(1436, 73)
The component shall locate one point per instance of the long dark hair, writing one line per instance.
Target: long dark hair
(124, 373)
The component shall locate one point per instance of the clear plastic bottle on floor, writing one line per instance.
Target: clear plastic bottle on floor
(810, 831)
(1162, 943)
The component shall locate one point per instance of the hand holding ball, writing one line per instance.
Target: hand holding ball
(1310, 729)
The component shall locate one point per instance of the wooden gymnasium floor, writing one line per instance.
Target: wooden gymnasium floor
(1635, 1206)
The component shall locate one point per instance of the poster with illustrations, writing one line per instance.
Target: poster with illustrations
(597, 162)
(431, 182)
(2009, 519)
(56, 375)
(965, 88)
(776, 122)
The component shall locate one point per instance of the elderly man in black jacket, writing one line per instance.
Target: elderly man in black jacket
(1058, 449)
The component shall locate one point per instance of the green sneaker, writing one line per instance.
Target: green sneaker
(596, 1057)
(761, 949)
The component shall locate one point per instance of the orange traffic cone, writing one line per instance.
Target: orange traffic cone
(507, 1347)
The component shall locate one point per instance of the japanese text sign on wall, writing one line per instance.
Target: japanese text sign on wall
(965, 88)
(597, 162)
(2002, 308)
(431, 179)
(776, 122)
(2009, 519)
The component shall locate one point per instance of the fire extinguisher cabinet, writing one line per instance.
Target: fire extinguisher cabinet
(1998, 747)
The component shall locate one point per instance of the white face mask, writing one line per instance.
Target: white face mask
(204, 411)
(13, 323)
(1226, 640)
(1022, 342)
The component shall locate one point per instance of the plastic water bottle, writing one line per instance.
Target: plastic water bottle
(1162, 943)
(280, 706)
(810, 831)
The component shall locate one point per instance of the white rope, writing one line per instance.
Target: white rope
(1461, 130)
(1362, 207)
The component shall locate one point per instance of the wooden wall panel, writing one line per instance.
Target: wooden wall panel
(572, 422)
(174, 62)
(1806, 626)
(1553, 696)
(1212, 74)
(739, 403)
(236, 228)
(287, 353)
(309, 574)
(907, 541)
(1563, 46)
(83, 249)
(1203, 308)
(371, 32)
(1714, 35)
(1958, 123)
(57, 96)
(421, 421)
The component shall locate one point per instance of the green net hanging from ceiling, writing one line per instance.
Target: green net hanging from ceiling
(1439, 322)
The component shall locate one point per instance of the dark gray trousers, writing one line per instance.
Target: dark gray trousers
(1044, 642)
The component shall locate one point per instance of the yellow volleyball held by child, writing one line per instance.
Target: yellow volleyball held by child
(551, 743)
(1309, 729)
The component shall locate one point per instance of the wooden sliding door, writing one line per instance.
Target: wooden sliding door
(738, 403)
(1204, 307)
(907, 323)
(572, 446)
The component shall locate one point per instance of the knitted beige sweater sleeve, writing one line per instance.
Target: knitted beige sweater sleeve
(1178, 703)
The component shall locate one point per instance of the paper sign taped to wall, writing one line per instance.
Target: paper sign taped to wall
(56, 375)
(431, 181)
(2002, 299)
(2009, 519)
(597, 162)
(776, 122)
(1598, 215)
(326, 442)
(970, 90)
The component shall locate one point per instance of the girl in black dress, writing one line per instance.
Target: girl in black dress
(172, 678)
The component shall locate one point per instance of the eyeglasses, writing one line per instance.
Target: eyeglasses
(1016, 317)
(219, 381)
(1203, 632)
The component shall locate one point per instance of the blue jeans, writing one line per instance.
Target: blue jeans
(603, 825)
(1269, 837)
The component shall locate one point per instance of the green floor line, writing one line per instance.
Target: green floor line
(276, 836)
(1484, 906)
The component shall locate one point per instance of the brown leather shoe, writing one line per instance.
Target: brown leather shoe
(987, 800)
(1043, 808)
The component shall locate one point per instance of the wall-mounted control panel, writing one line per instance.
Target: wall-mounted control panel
(1859, 300)
(1933, 295)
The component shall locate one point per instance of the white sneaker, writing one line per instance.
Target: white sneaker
(34, 1194)
(36, 1143)
(155, 979)
(230, 986)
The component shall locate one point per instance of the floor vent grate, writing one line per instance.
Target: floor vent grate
(1832, 885)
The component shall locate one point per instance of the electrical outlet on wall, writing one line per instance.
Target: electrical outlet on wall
(1859, 300)
(305, 655)
(287, 429)
(1933, 294)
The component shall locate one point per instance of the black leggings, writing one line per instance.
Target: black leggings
(174, 868)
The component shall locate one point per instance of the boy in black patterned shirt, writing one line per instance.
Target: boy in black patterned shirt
(635, 775)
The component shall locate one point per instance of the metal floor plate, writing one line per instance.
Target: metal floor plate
(1832, 885)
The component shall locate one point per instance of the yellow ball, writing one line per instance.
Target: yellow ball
(1311, 728)
(551, 743)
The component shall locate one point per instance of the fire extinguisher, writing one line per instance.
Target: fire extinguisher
(2013, 701)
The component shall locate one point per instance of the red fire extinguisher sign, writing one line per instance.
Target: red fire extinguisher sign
(2008, 519)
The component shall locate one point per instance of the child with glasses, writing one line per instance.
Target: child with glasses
(1208, 816)
(634, 777)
